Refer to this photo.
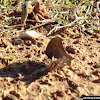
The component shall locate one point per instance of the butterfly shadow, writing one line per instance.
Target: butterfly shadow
(27, 71)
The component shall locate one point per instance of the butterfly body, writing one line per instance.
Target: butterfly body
(55, 49)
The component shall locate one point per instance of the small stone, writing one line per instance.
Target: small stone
(72, 49)
(69, 49)
(96, 81)
(17, 41)
(77, 41)
(98, 41)
(97, 65)
(96, 72)
(39, 44)
(96, 35)
(69, 92)
(30, 35)
(28, 42)
(90, 63)
(21, 48)
(89, 31)
(91, 77)
(83, 58)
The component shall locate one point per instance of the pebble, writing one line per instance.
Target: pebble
(17, 41)
(97, 65)
(98, 41)
(30, 35)
(89, 31)
(72, 49)
(28, 42)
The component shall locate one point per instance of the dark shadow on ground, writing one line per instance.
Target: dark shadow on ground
(26, 70)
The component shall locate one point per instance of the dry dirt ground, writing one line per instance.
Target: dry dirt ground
(19, 62)
(82, 78)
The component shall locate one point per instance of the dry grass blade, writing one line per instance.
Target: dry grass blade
(24, 13)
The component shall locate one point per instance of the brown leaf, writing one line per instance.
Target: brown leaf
(55, 48)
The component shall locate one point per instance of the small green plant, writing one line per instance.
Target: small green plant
(7, 3)
(69, 2)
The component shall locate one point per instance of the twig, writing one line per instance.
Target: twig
(52, 30)
(42, 24)
(40, 16)
(24, 13)
(35, 17)
(98, 3)
(63, 12)
(87, 11)
(59, 5)
(68, 25)
(75, 13)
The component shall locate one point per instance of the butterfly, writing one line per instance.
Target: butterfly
(56, 50)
